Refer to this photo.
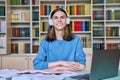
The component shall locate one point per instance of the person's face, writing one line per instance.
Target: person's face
(59, 20)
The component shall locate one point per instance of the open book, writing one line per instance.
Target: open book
(45, 72)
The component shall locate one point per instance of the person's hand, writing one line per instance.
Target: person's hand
(71, 65)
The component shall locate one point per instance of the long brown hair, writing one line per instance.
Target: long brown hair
(51, 30)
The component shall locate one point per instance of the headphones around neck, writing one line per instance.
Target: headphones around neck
(51, 22)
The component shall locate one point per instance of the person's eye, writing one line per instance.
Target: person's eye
(55, 17)
(62, 17)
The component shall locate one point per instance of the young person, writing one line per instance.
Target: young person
(60, 49)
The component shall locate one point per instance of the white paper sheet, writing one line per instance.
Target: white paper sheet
(6, 73)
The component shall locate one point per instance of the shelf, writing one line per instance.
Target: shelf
(81, 32)
(20, 6)
(20, 38)
(99, 37)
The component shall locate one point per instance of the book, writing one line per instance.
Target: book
(98, 46)
(117, 14)
(35, 48)
(77, 26)
(2, 11)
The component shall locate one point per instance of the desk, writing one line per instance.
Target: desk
(113, 78)
(50, 77)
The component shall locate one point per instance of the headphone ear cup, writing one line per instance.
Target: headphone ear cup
(67, 20)
(50, 22)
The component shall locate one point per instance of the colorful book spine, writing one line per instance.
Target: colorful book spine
(21, 32)
(2, 11)
(20, 48)
(98, 46)
(81, 26)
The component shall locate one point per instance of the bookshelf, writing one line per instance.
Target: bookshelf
(106, 24)
(35, 25)
(112, 24)
(4, 27)
(26, 23)
(20, 26)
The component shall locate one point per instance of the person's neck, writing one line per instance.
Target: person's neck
(59, 35)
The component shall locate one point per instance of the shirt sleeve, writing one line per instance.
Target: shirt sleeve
(80, 55)
(40, 62)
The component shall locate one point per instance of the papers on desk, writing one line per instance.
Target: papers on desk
(43, 75)
(36, 74)
(8, 73)
(44, 72)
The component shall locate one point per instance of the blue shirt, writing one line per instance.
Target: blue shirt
(58, 50)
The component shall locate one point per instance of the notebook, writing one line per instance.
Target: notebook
(105, 64)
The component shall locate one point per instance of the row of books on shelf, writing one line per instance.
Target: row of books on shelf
(46, 9)
(2, 10)
(86, 42)
(112, 1)
(110, 15)
(98, 31)
(21, 32)
(35, 32)
(107, 1)
(2, 27)
(98, 1)
(98, 15)
(20, 48)
(100, 46)
(23, 48)
(20, 2)
(76, 26)
(2, 41)
(113, 31)
(20, 16)
(35, 2)
(83, 9)
(113, 14)
(81, 25)
(113, 45)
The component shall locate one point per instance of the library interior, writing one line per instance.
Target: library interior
(24, 23)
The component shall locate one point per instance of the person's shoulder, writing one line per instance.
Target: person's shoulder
(43, 40)
(76, 37)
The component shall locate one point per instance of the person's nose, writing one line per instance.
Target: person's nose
(59, 19)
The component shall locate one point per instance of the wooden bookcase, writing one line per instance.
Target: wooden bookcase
(106, 24)
(5, 42)
(29, 22)
(25, 23)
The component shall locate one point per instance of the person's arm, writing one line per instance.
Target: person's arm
(40, 61)
(65, 65)
(80, 56)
